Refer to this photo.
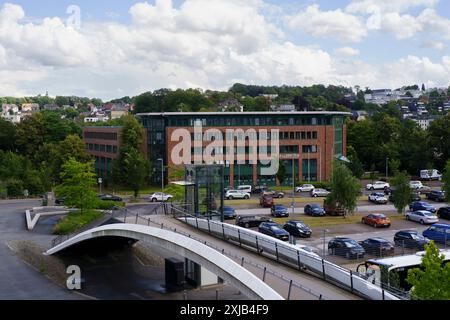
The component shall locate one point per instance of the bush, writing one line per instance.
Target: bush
(318, 185)
(14, 188)
(75, 220)
(108, 205)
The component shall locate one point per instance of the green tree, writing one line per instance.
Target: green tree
(134, 170)
(78, 182)
(345, 188)
(446, 181)
(281, 174)
(432, 280)
(7, 135)
(402, 191)
(355, 164)
(438, 131)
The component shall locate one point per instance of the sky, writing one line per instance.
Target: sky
(110, 49)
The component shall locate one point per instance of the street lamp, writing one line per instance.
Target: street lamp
(162, 177)
(387, 168)
(293, 185)
(324, 239)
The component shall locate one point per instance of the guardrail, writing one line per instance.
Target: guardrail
(263, 271)
(289, 255)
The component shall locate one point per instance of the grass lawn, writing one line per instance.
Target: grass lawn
(329, 221)
(76, 220)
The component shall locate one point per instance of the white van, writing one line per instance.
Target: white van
(432, 174)
(247, 189)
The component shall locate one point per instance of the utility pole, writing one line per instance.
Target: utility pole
(162, 178)
(293, 185)
(387, 168)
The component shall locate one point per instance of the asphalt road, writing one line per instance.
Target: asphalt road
(18, 281)
(362, 209)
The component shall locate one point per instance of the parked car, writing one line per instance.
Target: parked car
(314, 210)
(378, 198)
(161, 197)
(236, 194)
(377, 220)
(378, 246)
(421, 205)
(432, 174)
(259, 189)
(305, 188)
(415, 185)
(415, 196)
(439, 233)
(266, 201)
(60, 201)
(109, 197)
(298, 229)
(422, 216)
(274, 230)
(251, 221)
(313, 251)
(319, 193)
(333, 210)
(378, 185)
(346, 247)
(210, 202)
(410, 239)
(436, 195)
(275, 194)
(424, 190)
(246, 189)
(444, 213)
(229, 213)
(279, 211)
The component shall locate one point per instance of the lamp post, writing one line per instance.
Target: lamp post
(324, 239)
(293, 185)
(162, 178)
(387, 168)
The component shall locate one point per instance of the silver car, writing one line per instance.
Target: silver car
(424, 217)
(319, 193)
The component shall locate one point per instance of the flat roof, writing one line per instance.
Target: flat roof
(405, 261)
(311, 113)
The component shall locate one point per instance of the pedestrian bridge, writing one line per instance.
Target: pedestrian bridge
(222, 266)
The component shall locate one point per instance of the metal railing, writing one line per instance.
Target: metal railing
(266, 274)
(287, 254)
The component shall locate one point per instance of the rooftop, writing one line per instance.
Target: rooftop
(311, 113)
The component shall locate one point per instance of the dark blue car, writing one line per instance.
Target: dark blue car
(274, 230)
(439, 232)
(314, 210)
(279, 211)
(421, 206)
(229, 213)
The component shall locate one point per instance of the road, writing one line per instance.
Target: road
(362, 209)
(313, 283)
(18, 281)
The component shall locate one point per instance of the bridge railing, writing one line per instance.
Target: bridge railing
(292, 289)
(289, 255)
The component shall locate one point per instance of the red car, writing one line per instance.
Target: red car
(266, 201)
(377, 220)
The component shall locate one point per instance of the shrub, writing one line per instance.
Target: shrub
(14, 188)
(108, 205)
(76, 220)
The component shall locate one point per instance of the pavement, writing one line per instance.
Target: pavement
(18, 281)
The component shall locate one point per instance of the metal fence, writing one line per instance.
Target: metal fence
(289, 255)
(288, 288)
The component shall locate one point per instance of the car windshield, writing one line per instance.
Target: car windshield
(417, 236)
(429, 214)
(351, 244)
(315, 206)
(379, 216)
(275, 228)
(300, 225)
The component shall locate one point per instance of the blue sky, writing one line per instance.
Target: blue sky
(126, 47)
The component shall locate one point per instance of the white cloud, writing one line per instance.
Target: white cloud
(379, 6)
(347, 51)
(203, 43)
(328, 24)
(436, 45)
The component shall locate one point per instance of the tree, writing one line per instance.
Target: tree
(134, 170)
(78, 182)
(438, 132)
(355, 164)
(402, 191)
(281, 174)
(432, 280)
(345, 188)
(7, 135)
(446, 181)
